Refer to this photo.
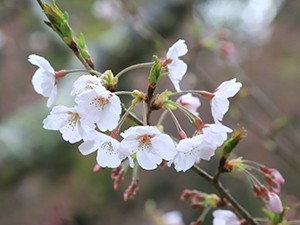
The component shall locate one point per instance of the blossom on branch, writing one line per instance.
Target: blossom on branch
(44, 80)
(190, 102)
(147, 145)
(225, 217)
(219, 100)
(68, 122)
(176, 67)
(202, 146)
(106, 147)
(84, 83)
(99, 106)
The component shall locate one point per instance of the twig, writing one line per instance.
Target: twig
(225, 194)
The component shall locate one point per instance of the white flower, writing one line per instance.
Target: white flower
(215, 133)
(99, 106)
(192, 150)
(273, 202)
(85, 82)
(149, 145)
(106, 147)
(190, 102)
(219, 101)
(225, 217)
(43, 80)
(176, 67)
(173, 218)
(202, 146)
(68, 122)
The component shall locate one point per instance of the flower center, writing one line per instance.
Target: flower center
(144, 142)
(108, 147)
(89, 85)
(74, 118)
(99, 103)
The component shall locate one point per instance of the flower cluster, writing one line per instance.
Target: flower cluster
(98, 115)
(98, 110)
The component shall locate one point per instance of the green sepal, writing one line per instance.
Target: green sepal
(162, 101)
(155, 72)
(59, 21)
(82, 47)
(232, 142)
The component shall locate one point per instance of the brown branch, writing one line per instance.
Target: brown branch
(225, 194)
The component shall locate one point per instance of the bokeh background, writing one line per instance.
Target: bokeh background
(45, 181)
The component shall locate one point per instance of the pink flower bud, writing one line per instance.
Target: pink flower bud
(97, 168)
(274, 203)
(131, 191)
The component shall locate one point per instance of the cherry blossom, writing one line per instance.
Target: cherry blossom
(273, 202)
(219, 101)
(190, 102)
(189, 151)
(225, 217)
(176, 67)
(85, 82)
(43, 80)
(99, 106)
(147, 145)
(106, 147)
(68, 122)
(202, 146)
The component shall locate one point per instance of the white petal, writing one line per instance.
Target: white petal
(108, 155)
(184, 161)
(190, 102)
(71, 133)
(87, 147)
(127, 148)
(40, 62)
(52, 97)
(43, 82)
(177, 70)
(84, 83)
(177, 49)
(56, 119)
(164, 146)
(147, 160)
(219, 106)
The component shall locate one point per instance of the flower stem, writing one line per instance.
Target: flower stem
(123, 93)
(162, 117)
(179, 128)
(93, 72)
(225, 194)
(136, 66)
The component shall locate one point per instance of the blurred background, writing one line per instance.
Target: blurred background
(45, 181)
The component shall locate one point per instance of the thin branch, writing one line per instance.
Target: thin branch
(225, 194)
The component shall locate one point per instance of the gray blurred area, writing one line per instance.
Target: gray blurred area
(46, 181)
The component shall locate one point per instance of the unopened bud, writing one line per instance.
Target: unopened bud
(162, 101)
(138, 97)
(131, 191)
(232, 142)
(109, 80)
(155, 72)
(97, 168)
